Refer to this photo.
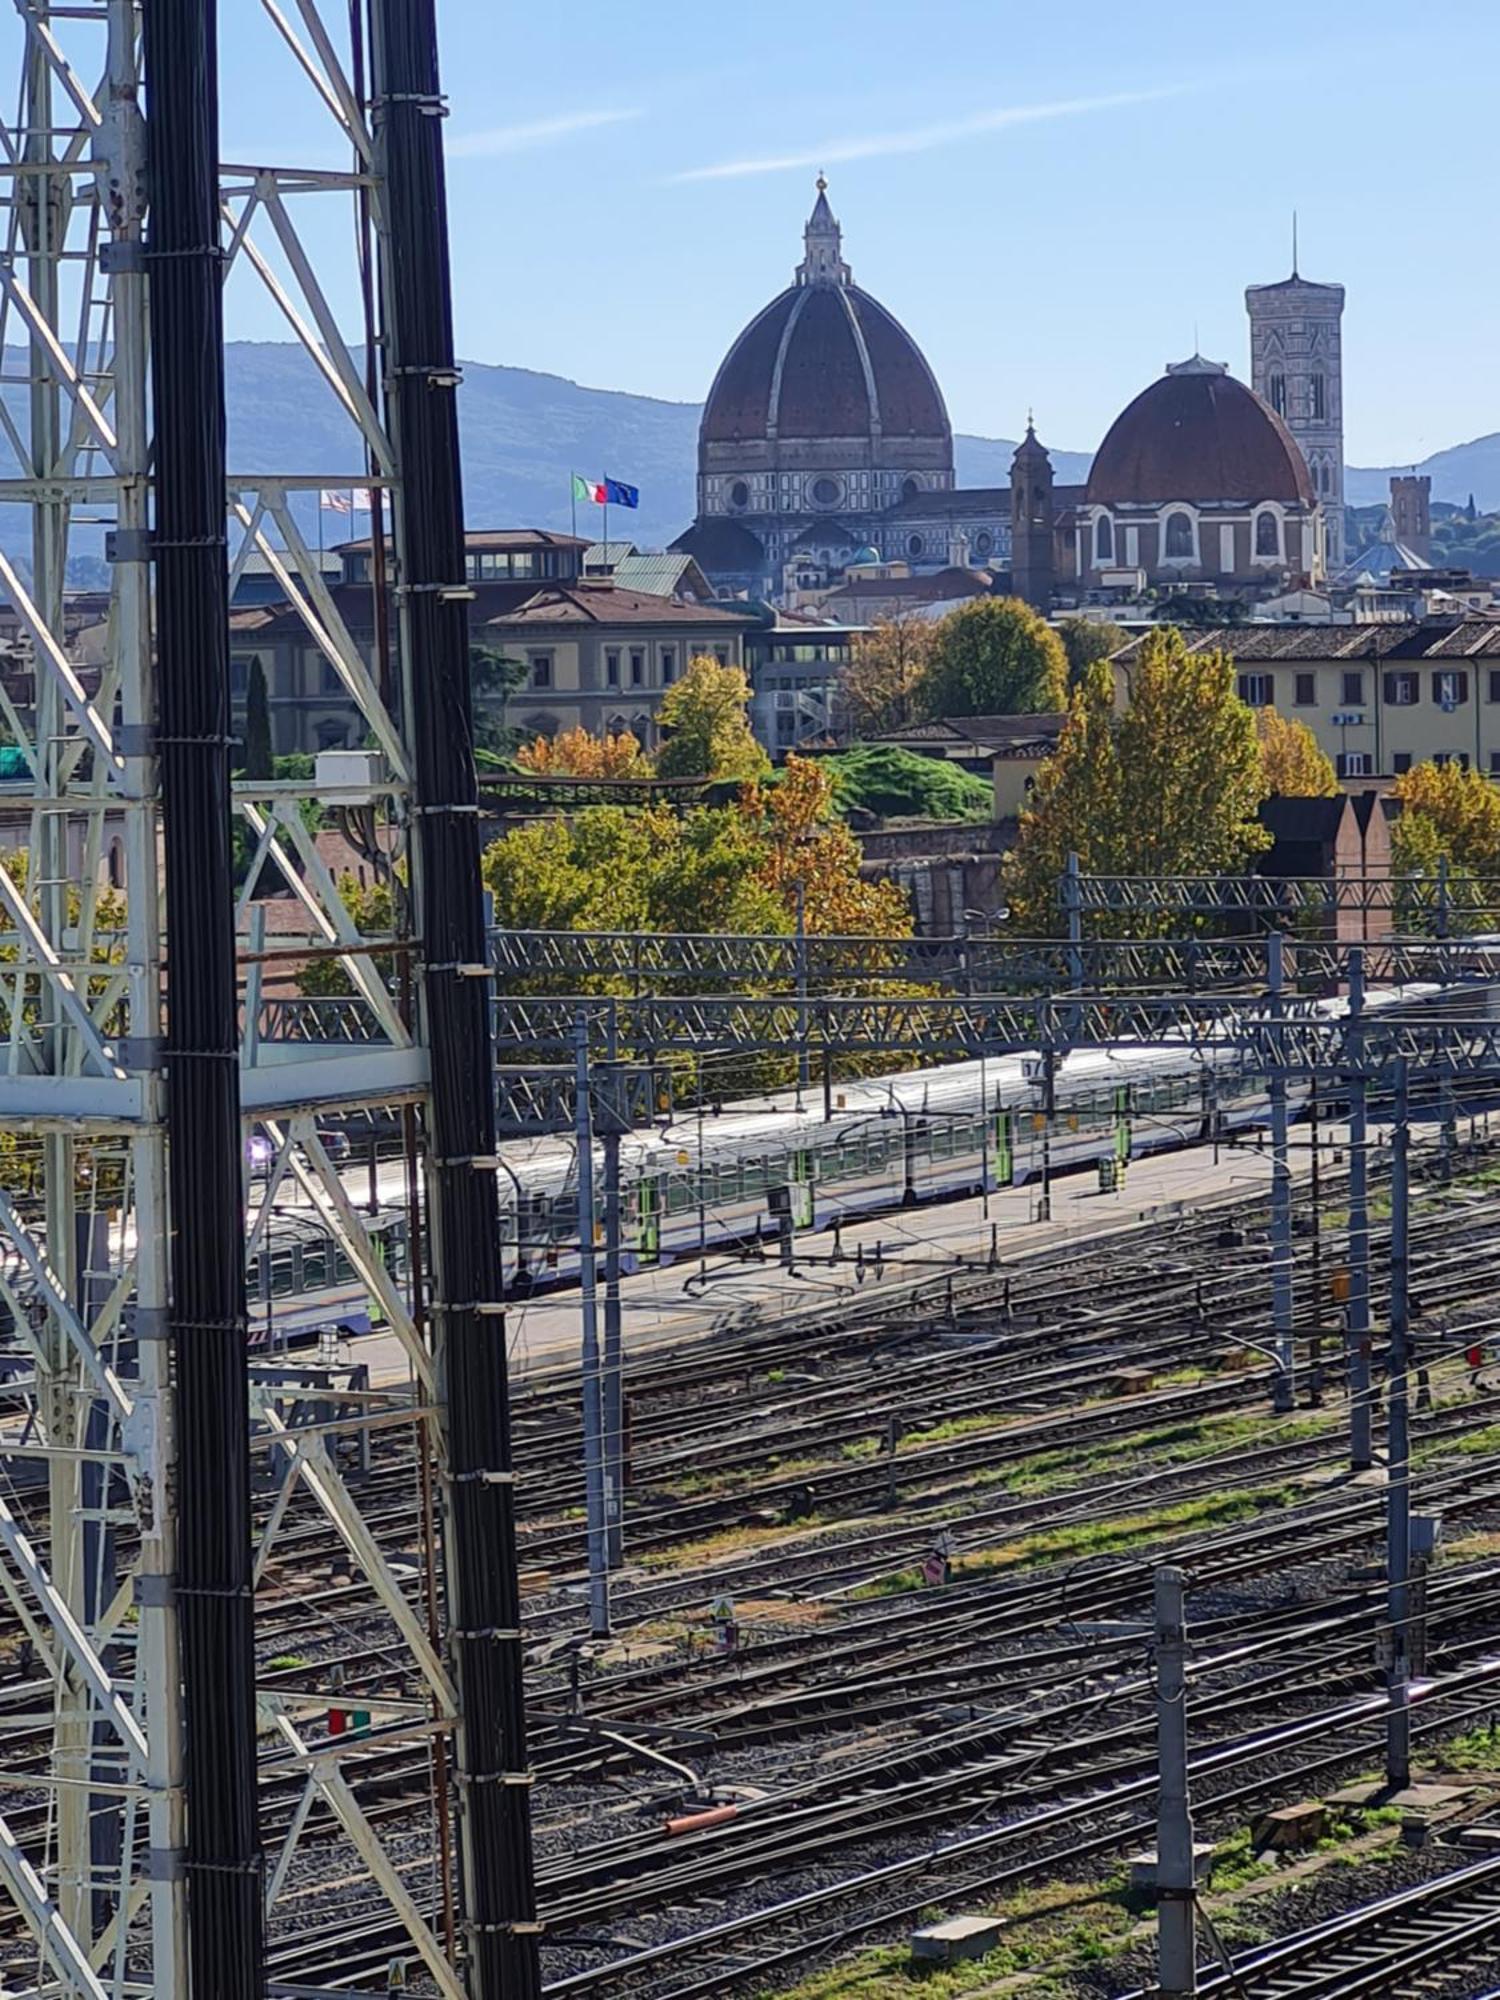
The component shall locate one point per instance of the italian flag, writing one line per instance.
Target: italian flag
(590, 489)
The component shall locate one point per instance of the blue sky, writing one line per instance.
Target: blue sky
(1056, 199)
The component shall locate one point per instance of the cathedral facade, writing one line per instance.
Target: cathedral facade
(825, 446)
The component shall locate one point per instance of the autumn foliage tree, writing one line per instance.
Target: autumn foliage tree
(880, 687)
(576, 753)
(705, 718)
(1450, 826)
(809, 851)
(1171, 786)
(994, 656)
(1294, 765)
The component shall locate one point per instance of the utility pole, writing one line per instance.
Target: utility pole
(1398, 1459)
(1357, 1355)
(593, 1426)
(1281, 1187)
(614, 1347)
(803, 1072)
(1176, 1888)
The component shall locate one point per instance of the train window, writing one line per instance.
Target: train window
(283, 1274)
(314, 1266)
(343, 1270)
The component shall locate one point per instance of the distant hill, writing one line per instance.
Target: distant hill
(523, 433)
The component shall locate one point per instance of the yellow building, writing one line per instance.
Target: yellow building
(1379, 698)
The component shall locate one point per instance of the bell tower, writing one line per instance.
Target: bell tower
(1031, 522)
(1297, 366)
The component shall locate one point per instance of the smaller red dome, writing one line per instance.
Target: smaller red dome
(1199, 435)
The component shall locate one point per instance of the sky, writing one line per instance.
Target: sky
(1055, 200)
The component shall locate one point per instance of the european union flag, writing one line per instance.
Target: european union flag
(618, 494)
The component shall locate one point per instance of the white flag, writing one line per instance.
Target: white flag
(335, 503)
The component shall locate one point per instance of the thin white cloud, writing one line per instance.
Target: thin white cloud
(923, 138)
(540, 132)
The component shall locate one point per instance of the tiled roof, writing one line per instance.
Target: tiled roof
(950, 504)
(1200, 436)
(495, 540)
(608, 604)
(1426, 639)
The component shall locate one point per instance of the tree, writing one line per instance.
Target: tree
(895, 783)
(1086, 640)
(1449, 824)
(1294, 766)
(259, 762)
(706, 719)
(493, 678)
(1170, 787)
(811, 856)
(879, 687)
(995, 656)
(574, 753)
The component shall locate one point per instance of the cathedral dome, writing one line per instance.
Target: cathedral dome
(1199, 436)
(824, 360)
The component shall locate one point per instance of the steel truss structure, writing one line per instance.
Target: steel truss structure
(119, 1869)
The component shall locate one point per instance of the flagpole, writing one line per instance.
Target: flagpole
(605, 490)
(573, 493)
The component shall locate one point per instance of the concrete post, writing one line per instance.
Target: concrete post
(614, 1355)
(593, 1413)
(1177, 1965)
(1361, 1447)
(1398, 1459)
(1281, 1187)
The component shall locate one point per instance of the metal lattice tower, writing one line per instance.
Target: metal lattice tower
(101, 1891)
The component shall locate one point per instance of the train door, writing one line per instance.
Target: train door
(1122, 1123)
(804, 1191)
(648, 1235)
(1005, 1148)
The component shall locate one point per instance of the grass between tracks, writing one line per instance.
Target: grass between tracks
(1057, 1929)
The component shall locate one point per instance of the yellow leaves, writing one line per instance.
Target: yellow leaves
(1293, 764)
(705, 718)
(811, 851)
(575, 753)
(1463, 809)
(1171, 787)
(881, 684)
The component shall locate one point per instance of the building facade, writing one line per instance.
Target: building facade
(600, 657)
(1297, 366)
(1379, 698)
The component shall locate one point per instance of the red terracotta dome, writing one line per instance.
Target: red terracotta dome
(1199, 435)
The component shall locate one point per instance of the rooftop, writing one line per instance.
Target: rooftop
(613, 604)
(1416, 639)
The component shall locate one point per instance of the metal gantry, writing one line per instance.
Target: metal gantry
(102, 1882)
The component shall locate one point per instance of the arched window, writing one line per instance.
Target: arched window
(1325, 478)
(1104, 539)
(1319, 398)
(1179, 545)
(910, 489)
(1267, 534)
(739, 494)
(1277, 388)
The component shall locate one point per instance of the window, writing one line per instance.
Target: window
(1494, 684)
(612, 666)
(1441, 758)
(721, 654)
(1494, 765)
(739, 494)
(1450, 687)
(1179, 546)
(1401, 690)
(1276, 387)
(910, 488)
(240, 665)
(826, 492)
(1257, 690)
(637, 666)
(1307, 691)
(1104, 539)
(984, 542)
(1318, 398)
(1401, 762)
(540, 667)
(668, 665)
(1352, 687)
(1267, 534)
(1355, 764)
(914, 545)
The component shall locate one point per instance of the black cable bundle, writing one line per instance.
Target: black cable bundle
(207, 1314)
(484, 1609)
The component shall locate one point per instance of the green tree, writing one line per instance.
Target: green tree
(493, 678)
(1086, 640)
(1169, 787)
(259, 762)
(706, 719)
(994, 656)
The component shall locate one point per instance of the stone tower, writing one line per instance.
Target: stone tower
(823, 246)
(1411, 512)
(1297, 365)
(1031, 522)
